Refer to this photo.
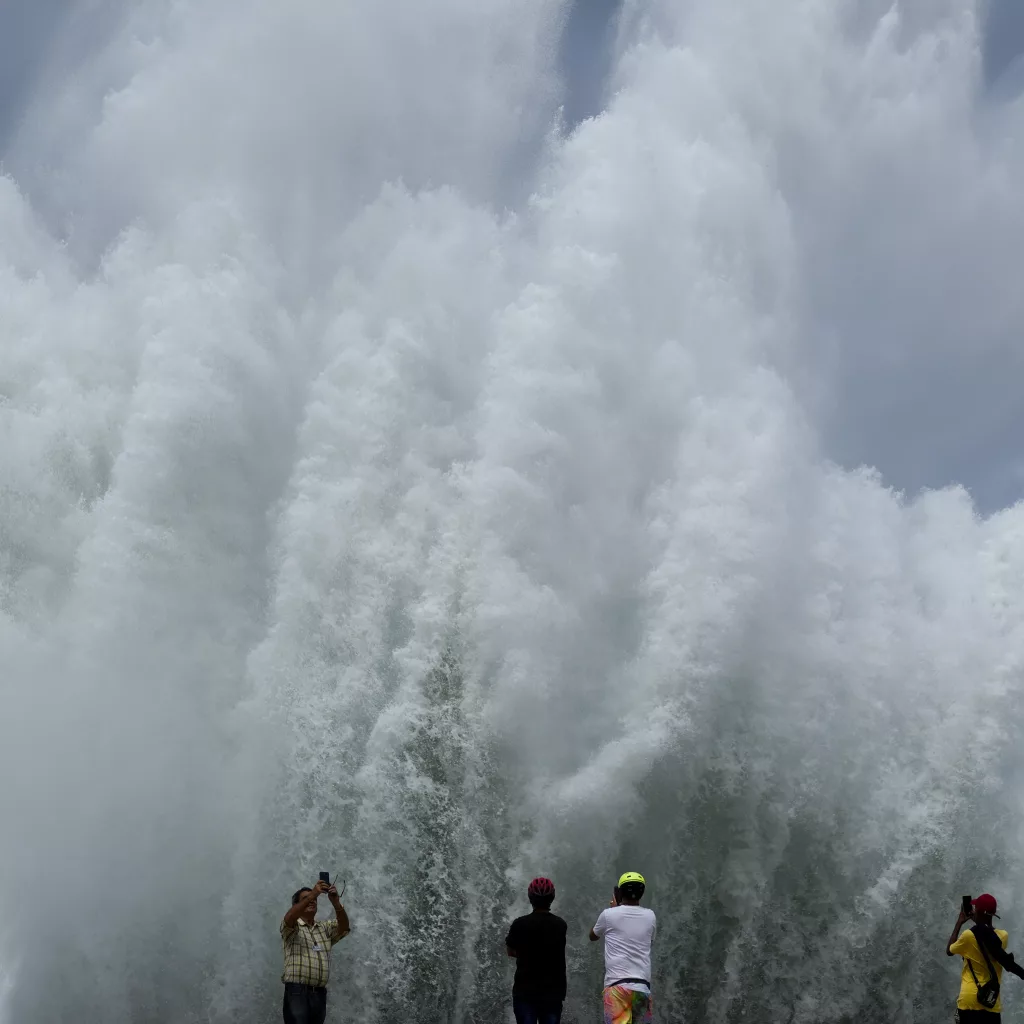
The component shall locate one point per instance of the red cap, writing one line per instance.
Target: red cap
(986, 903)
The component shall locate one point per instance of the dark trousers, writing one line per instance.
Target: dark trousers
(304, 1004)
(528, 1011)
(977, 1017)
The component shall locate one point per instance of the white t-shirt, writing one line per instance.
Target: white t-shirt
(628, 933)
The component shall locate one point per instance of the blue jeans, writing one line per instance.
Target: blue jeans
(529, 1012)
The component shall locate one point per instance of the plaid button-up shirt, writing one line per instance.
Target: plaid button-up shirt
(307, 952)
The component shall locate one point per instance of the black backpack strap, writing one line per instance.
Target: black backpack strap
(970, 967)
(1000, 955)
(982, 943)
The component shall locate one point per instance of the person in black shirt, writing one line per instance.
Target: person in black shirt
(537, 942)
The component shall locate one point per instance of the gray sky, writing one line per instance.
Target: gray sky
(1005, 39)
(26, 30)
(586, 50)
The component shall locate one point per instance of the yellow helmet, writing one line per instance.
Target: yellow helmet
(631, 876)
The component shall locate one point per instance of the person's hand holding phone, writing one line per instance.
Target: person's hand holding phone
(312, 896)
(966, 911)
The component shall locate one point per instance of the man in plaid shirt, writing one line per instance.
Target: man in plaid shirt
(307, 954)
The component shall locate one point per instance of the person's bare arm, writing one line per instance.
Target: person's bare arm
(961, 920)
(1010, 964)
(594, 937)
(343, 925)
(291, 919)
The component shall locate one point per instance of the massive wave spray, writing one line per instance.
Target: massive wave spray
(397, 483)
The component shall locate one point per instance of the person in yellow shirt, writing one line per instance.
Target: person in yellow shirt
(973, 945)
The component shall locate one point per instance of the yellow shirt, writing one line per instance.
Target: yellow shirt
(967, 947)
(307, 952)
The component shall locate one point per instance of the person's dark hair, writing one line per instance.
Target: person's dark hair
(298, 894)
(631, 891)
(540, 892)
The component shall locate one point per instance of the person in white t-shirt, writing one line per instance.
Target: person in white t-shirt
(628, 931)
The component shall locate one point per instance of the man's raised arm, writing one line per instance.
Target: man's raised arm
(344, 927)
(961, 918)
(299, 909)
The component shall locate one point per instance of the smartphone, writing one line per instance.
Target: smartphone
(325, 877)
(966, 904)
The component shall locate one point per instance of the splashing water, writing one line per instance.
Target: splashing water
(391, 484)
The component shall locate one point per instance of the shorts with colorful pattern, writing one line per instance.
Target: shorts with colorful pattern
(624, 1006)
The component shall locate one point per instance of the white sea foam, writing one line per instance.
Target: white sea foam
(359, 513)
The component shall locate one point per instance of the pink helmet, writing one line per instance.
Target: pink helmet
(542, 887)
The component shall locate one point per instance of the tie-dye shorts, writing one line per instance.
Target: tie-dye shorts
(624, 1006)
